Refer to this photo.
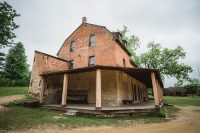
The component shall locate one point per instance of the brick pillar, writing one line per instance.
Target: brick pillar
(98, 89)
(155, 89)
(42, 90)
(64, 93)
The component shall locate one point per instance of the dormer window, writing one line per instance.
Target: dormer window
(72, 45)
(124, 42)
(120, 38)
(92, 40)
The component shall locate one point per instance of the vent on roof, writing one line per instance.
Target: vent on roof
(84, 20)
(117, 35)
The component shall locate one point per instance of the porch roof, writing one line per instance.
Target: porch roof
(141, 74)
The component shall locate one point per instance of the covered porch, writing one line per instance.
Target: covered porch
(107, 89)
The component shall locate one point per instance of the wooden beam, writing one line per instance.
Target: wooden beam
(42, 90)
(98, 89)
(155, 89)
(64, 93)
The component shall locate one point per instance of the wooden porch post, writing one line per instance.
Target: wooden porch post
(155, 89)
(158, 91)
(42, 90)
(64, 93)
(98, 89)
(137, 96)
(161, 94)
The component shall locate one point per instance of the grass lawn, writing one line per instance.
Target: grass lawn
(8, 91)
(182, 101)
(19, 118)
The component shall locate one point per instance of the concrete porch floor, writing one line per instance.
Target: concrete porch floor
(141, 107)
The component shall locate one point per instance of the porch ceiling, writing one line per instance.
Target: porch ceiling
(141, 74)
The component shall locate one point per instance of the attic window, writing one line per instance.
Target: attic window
(92, 40)
(120, 38)
(72, 46)
(70, 64)
(91, 61)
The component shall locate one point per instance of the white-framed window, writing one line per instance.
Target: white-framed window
(92, 40)
(72, 45)
(91, 61)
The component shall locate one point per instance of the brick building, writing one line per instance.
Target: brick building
(175, 91)
(92, 67)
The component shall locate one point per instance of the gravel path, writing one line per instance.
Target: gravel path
(7, 99)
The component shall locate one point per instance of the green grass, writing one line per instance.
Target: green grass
(8, 91)
(183, 101)
(19, 117)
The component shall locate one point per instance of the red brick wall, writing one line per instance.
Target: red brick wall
(120, 54)
(45, 63)
(106, 51)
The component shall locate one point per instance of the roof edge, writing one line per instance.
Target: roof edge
(50, 56)
(89, 68)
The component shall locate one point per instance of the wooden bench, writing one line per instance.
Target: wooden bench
(77, 97)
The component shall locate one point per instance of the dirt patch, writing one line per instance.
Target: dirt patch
(186, 122)
(7, 99)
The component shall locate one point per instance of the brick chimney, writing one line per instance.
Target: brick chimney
(84, 20)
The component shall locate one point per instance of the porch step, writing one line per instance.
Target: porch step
(71, 112)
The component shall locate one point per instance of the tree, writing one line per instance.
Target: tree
(165, 59)
(2, 59)
(133, 43)
(193, 86)
(7, 24)
(16, 67)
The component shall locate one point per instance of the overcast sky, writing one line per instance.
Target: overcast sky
(45, 24)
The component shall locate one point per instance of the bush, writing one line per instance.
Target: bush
(3, 82)
(6, 82)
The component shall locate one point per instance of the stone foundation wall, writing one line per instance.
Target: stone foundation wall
(43, 63)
